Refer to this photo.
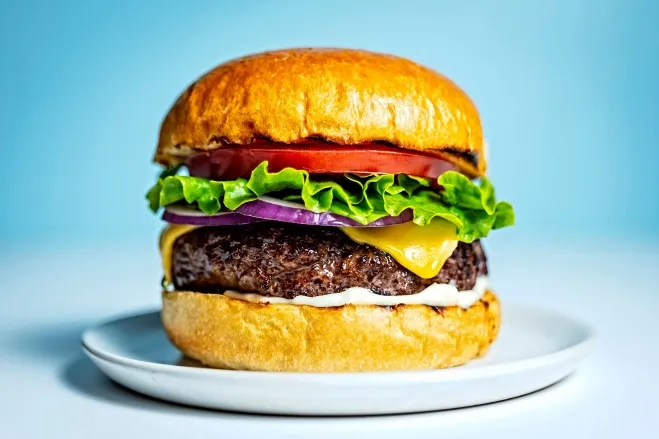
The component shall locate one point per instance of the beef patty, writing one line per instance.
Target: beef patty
(287, 260)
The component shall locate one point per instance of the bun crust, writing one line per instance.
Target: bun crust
(227, 333)
(347, 97)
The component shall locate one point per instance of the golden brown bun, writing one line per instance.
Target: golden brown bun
(348, 97)
(232, 334)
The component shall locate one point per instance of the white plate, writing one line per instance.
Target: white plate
(535, 349)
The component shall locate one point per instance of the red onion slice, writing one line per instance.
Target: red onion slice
(194, 217)
(267, 208)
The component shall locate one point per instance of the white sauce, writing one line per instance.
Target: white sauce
(434, 295)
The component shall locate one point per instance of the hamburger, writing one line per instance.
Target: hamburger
(325, 210)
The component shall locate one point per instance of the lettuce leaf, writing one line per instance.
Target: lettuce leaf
(471, 207)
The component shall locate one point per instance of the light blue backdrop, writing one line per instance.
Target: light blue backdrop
(568, 92)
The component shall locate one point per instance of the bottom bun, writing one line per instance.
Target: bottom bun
(233, 334)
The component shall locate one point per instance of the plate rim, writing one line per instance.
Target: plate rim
(577, 350)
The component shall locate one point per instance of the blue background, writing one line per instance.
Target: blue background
(567, 90)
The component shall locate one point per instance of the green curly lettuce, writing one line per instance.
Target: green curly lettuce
(471, 207)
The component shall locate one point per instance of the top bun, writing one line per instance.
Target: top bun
(343, 96)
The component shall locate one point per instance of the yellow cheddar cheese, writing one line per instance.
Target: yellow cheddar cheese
(421, 249)
(167, 238)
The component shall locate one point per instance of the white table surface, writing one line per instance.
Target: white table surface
(48, 389)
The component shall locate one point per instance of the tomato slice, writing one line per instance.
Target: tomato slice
(231, 162)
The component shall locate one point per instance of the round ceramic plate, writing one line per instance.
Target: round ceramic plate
(535, 349)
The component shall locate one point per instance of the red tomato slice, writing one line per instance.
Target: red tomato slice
(231, 162)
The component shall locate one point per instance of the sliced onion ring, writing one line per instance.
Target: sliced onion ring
(194, 217)
(267, 208)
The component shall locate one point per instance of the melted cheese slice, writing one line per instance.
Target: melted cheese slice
(421, 249)
(167, 238)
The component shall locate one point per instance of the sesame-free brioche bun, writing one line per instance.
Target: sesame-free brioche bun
(343, 96)
(227, 333)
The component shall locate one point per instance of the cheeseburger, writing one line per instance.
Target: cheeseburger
(325, 210)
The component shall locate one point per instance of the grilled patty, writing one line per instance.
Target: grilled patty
(287, 260)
